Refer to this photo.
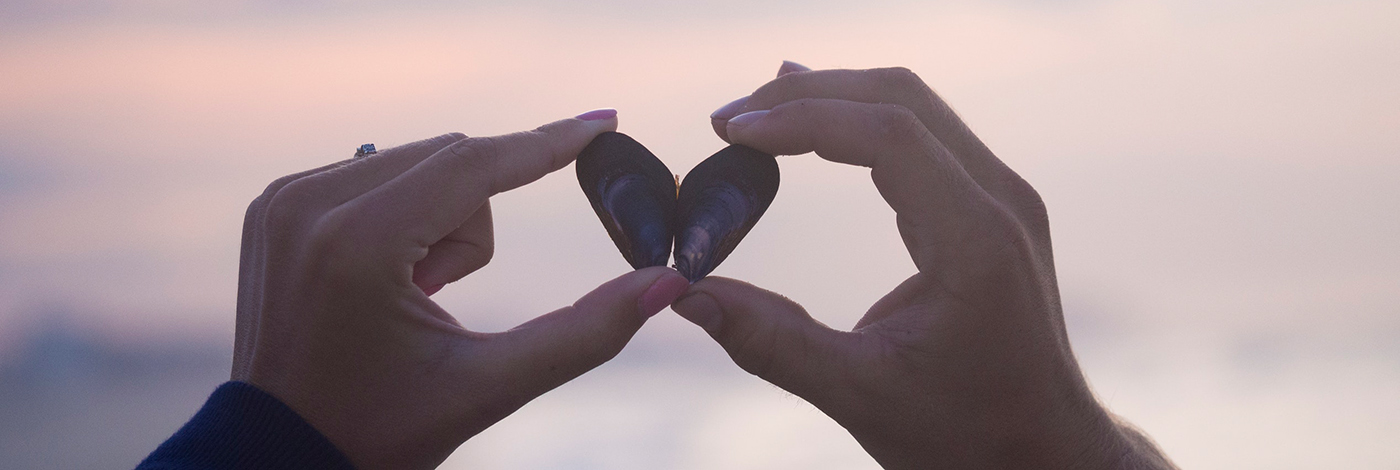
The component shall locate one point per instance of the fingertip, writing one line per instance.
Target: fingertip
(565, 138)
(742, 121)
(738, 127)
(765, 333)
(737, 297)
(790, 67)
(701, 302)
(601, 114)
(720, 118)
(731, 109)
(662, 292)
(721, 128)
(701, 309)
(599, 120)
(589, 124)
(636, 294)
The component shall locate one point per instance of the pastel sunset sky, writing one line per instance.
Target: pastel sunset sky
(1223, 181)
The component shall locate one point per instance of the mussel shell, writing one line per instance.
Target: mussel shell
(720, 201)
(634, 195)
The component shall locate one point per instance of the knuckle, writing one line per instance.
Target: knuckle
(898, 124)
(1032, 209)
(291, 204)
(1028, 196)
(262, 200)
(792, 109)
(754, 352)
(789, 85)
(559, 151)
(606, 334)
(904, 86)
(437, 143)
(1005, 221)
(1010, 258)
(290, 192)
(608, 340)
(255, 210)
(477, 156)
(328, 231)
(335, 244)
(1022, 202)
(771, 351)
(486, 250)
(279, 183)
(610, 346)
(898, 77)
(472, 256)
(428, 145)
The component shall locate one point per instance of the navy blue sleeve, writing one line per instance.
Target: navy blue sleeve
(243, 427)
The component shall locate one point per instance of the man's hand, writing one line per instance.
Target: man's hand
(334, 317)
(964, 365)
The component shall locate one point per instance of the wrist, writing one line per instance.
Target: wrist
(1065, 429)
(1083, 436)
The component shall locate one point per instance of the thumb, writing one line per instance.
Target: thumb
(554, 348)
(765, 334)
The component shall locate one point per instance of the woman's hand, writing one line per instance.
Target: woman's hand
(334, 317)
(964, 365)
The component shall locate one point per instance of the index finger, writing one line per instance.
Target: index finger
(433, 198)
(893, 85)
(945, 218)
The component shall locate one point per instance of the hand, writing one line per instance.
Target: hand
(964, 365)
(334, 317)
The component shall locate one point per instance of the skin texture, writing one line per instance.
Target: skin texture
(334, 314)
(964, 365)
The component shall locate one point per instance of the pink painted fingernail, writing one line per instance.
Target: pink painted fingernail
(743, 120)
(433, 289)
(662, 292)
(597, 115)
(729, 110)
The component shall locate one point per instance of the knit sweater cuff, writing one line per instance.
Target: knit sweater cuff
(243, 427)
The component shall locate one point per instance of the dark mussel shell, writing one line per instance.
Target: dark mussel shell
(720, 200)
(634, 195)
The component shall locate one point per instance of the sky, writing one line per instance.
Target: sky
(1220, 176)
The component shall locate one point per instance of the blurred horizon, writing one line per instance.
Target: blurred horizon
(1221, 181)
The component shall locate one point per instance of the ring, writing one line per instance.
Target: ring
(365, 151)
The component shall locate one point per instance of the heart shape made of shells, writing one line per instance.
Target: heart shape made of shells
(648, 211)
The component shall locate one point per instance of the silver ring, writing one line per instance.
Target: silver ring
(365, 151)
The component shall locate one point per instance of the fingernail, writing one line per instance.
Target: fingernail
(433, 289)
(743, 120)
(701, 309)
(790, 67)
(729, 110)
(597, 115)
(662, 292)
